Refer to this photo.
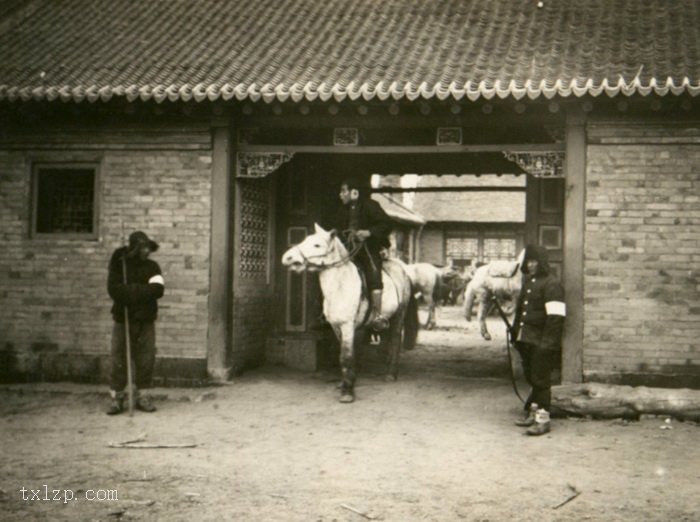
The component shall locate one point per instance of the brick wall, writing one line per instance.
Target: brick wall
(642, 253)
(53, 295)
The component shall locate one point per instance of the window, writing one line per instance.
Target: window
(550, 237)
(463, 251)
(65, 200)
(499, 248)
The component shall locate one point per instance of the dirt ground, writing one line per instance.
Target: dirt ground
(276, 445)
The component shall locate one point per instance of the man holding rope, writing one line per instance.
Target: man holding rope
(537, 333)
(135, 284)
(366, 222)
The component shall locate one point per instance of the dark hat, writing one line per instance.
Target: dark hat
(536, 253)
(138, 238)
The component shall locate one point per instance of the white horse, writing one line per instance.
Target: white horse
(499, 279)
(426, 280)
(345, 306)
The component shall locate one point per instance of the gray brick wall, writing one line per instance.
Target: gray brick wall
(642, 251)
(53, 291)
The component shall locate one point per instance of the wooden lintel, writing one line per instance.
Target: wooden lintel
(448, 189)
(404, 149)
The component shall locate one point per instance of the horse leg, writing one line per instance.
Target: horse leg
(394, 345)
(430, 323)
(347, 362)
(484, 308)
(468, 301)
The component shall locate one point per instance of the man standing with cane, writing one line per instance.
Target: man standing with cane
(135, 284)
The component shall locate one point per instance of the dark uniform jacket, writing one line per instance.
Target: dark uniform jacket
(144, 287)
(540, 311)
(371, 216)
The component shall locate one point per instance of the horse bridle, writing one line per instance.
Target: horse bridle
(323, 266)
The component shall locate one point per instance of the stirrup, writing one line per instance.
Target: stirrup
(379, 323)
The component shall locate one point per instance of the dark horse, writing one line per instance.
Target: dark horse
(344, 305)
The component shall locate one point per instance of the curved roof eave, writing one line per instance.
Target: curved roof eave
(298, 93)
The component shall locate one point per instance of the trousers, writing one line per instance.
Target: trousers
(143, 354)
(537, 367)
(370, 262)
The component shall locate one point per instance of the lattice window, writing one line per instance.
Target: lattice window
(255, 233)
(64, 200)
(499, 248)
(463, 251)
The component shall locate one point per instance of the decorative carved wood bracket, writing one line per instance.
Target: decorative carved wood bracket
(259, 164)
(539, 164)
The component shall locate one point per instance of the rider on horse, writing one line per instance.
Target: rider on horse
(367, 222)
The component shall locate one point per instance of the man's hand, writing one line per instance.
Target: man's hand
(363, 234)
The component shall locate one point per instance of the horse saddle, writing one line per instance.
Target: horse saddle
(501, 268)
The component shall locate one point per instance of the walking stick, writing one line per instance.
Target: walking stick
(509, 343)
(127, 333)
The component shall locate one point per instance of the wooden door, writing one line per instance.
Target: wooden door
(544, 223)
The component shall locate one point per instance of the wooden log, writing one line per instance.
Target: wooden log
(606, 401)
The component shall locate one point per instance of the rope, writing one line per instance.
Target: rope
(509, 347)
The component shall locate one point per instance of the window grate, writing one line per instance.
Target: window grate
(495, 249)
(255, 211)
(65, 200)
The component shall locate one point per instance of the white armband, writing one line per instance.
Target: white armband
(157, 279)
(555, 308)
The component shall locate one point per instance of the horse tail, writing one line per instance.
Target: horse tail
(410, 324)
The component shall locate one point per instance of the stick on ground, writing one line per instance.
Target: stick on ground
(361, 513)
(149, 446)
(574, 493)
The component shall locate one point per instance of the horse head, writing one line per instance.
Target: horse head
(315, 252)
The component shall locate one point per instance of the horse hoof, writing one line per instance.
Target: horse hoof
(429, 326)
(347, 398)
(486, 337)
(390, 378)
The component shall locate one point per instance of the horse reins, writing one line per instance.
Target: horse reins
(509, 344)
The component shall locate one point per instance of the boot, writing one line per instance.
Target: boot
(144, 403)
(376, 320)
(541, 425)
(529, 418)
(116, 403)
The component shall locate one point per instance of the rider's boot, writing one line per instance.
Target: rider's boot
(376, 320)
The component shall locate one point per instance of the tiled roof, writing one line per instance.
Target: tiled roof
(473, 207)
(355, 49)
(485, 180)
(397, 211)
